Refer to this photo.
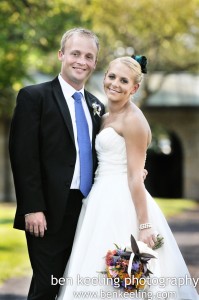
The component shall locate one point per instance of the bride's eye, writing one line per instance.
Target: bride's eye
(124, 80)
(111, 76)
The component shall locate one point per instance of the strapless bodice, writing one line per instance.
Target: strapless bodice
(111, 152)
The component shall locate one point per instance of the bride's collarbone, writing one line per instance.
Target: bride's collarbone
(113, 121)
(106, 124)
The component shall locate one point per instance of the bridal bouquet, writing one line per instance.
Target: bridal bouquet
(128, 267)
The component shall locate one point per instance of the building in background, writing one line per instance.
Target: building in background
(173, 156)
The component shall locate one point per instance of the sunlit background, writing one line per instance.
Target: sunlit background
(166, 32)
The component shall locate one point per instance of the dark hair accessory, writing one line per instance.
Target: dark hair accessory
(142, 60)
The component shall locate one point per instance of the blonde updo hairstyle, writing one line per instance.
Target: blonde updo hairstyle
(133, 65)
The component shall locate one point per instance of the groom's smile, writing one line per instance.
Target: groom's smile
(78, 59)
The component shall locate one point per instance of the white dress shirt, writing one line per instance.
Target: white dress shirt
(68, 91)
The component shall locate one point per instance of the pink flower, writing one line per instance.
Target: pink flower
(112, 272)
(109, 257)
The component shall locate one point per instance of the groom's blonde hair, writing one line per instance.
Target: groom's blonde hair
(80, 31)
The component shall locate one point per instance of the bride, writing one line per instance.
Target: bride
(119, 205)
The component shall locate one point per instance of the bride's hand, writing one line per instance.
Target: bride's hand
(148, 236)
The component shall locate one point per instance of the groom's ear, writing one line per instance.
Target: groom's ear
(60, 55)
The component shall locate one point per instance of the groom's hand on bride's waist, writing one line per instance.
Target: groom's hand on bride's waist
(35, 223)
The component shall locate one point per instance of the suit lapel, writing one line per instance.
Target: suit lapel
(90, 100)
(66, 113)
(96, 120)
(63, 106)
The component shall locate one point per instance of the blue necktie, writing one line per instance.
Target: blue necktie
(85, 151)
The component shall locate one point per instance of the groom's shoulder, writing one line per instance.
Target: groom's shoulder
(91, 97)
(39, 87)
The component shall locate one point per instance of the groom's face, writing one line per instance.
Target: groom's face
(78, 60)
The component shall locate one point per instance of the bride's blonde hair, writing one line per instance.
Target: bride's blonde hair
(132, 64)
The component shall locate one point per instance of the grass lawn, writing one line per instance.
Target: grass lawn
(13, 252)
(14, 259)
(172, 207)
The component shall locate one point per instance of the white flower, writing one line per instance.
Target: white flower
(143, 248)
(128, 248)
(96, 109)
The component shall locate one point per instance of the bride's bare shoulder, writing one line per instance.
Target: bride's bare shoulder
(135, 123)
(136, 116)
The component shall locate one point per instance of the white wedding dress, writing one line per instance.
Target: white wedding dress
(108, 216)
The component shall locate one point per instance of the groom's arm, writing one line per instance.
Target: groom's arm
(24, 147)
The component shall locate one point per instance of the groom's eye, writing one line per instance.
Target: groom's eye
(90, 57)
(75, 53)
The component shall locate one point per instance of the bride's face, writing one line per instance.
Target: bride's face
(119, 82)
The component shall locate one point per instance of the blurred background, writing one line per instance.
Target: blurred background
(166, 32)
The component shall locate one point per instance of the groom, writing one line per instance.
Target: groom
(52, 169)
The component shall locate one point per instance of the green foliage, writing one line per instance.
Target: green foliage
(167, 32)
(29, 31)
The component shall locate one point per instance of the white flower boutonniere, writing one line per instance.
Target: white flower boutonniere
(96, 109)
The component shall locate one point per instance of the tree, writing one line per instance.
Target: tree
(29, 30)
(167, 32)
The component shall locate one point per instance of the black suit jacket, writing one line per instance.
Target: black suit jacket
(42, 151)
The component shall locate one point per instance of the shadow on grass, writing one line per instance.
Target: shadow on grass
(190, 259)
(6, 221)
(6, 248)
(12, 297)
(185, 226)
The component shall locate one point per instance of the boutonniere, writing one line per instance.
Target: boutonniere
(96, 109)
